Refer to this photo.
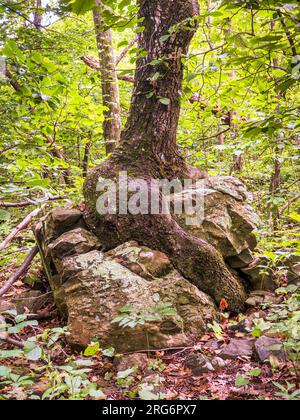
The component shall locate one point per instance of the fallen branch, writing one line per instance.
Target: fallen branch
(30, 202)
(293, 200)
(15, 343)
(20, 272)
(23, 225)
(4, 335)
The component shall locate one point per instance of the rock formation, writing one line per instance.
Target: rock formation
(92, 287)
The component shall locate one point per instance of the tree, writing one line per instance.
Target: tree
(148, 149)
(37, 16)
(109, 81)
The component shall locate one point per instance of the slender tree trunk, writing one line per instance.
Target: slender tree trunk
(148, 150)
(109, 81)
(37, 15)
(275, 182)
(86, 156)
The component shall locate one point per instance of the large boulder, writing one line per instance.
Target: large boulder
(228, 221)
(90, 286)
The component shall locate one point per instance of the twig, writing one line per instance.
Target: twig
(287, 32)
(215, 135)
(30, 202)
(4, 336)
(20, 271)
(125, 51)
(94, 64)
(15, 343)
(293, 200)
(23, 225)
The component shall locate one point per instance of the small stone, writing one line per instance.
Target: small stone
(218, 363)
(66, 217)
(75, 242)
(129, 361)
(242, 260)
(259, 275)
(212, 345)
(33, 300)
(265, 296)
(254, 301)
(238, 348)
(199, 364)
(268, 346)
(229, 220)
(156, 263)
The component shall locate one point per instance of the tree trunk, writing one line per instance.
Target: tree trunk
(148, 150)
(37, 15)
(109, 81)
(86, 156)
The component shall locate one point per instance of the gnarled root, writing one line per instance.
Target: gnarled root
(194, 258)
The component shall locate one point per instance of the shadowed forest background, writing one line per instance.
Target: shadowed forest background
(67, 71)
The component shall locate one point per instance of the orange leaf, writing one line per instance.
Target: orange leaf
(223, 305)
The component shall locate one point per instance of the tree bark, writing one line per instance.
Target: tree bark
(148, 150)
(109, 81)
(37, 15)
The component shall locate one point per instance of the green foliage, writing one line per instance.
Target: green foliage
(288, 392)
(244, 380)
(243, 68)
(283, 319)
(130, 316)
(82, 6)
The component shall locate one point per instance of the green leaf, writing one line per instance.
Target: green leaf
(295, 216)
(125, 373)
(109, 352)
(165, 38)
(241, 381)
(92, 349)
(296, 69)
(145, 393)
(165, 101)
(4, 371)
(6, 354)
(255, 373)
(82, 6)
(97, 394)
(155, 77)
(19, 327)
(35, 354)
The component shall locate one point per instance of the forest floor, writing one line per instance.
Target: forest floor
(54, 371)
